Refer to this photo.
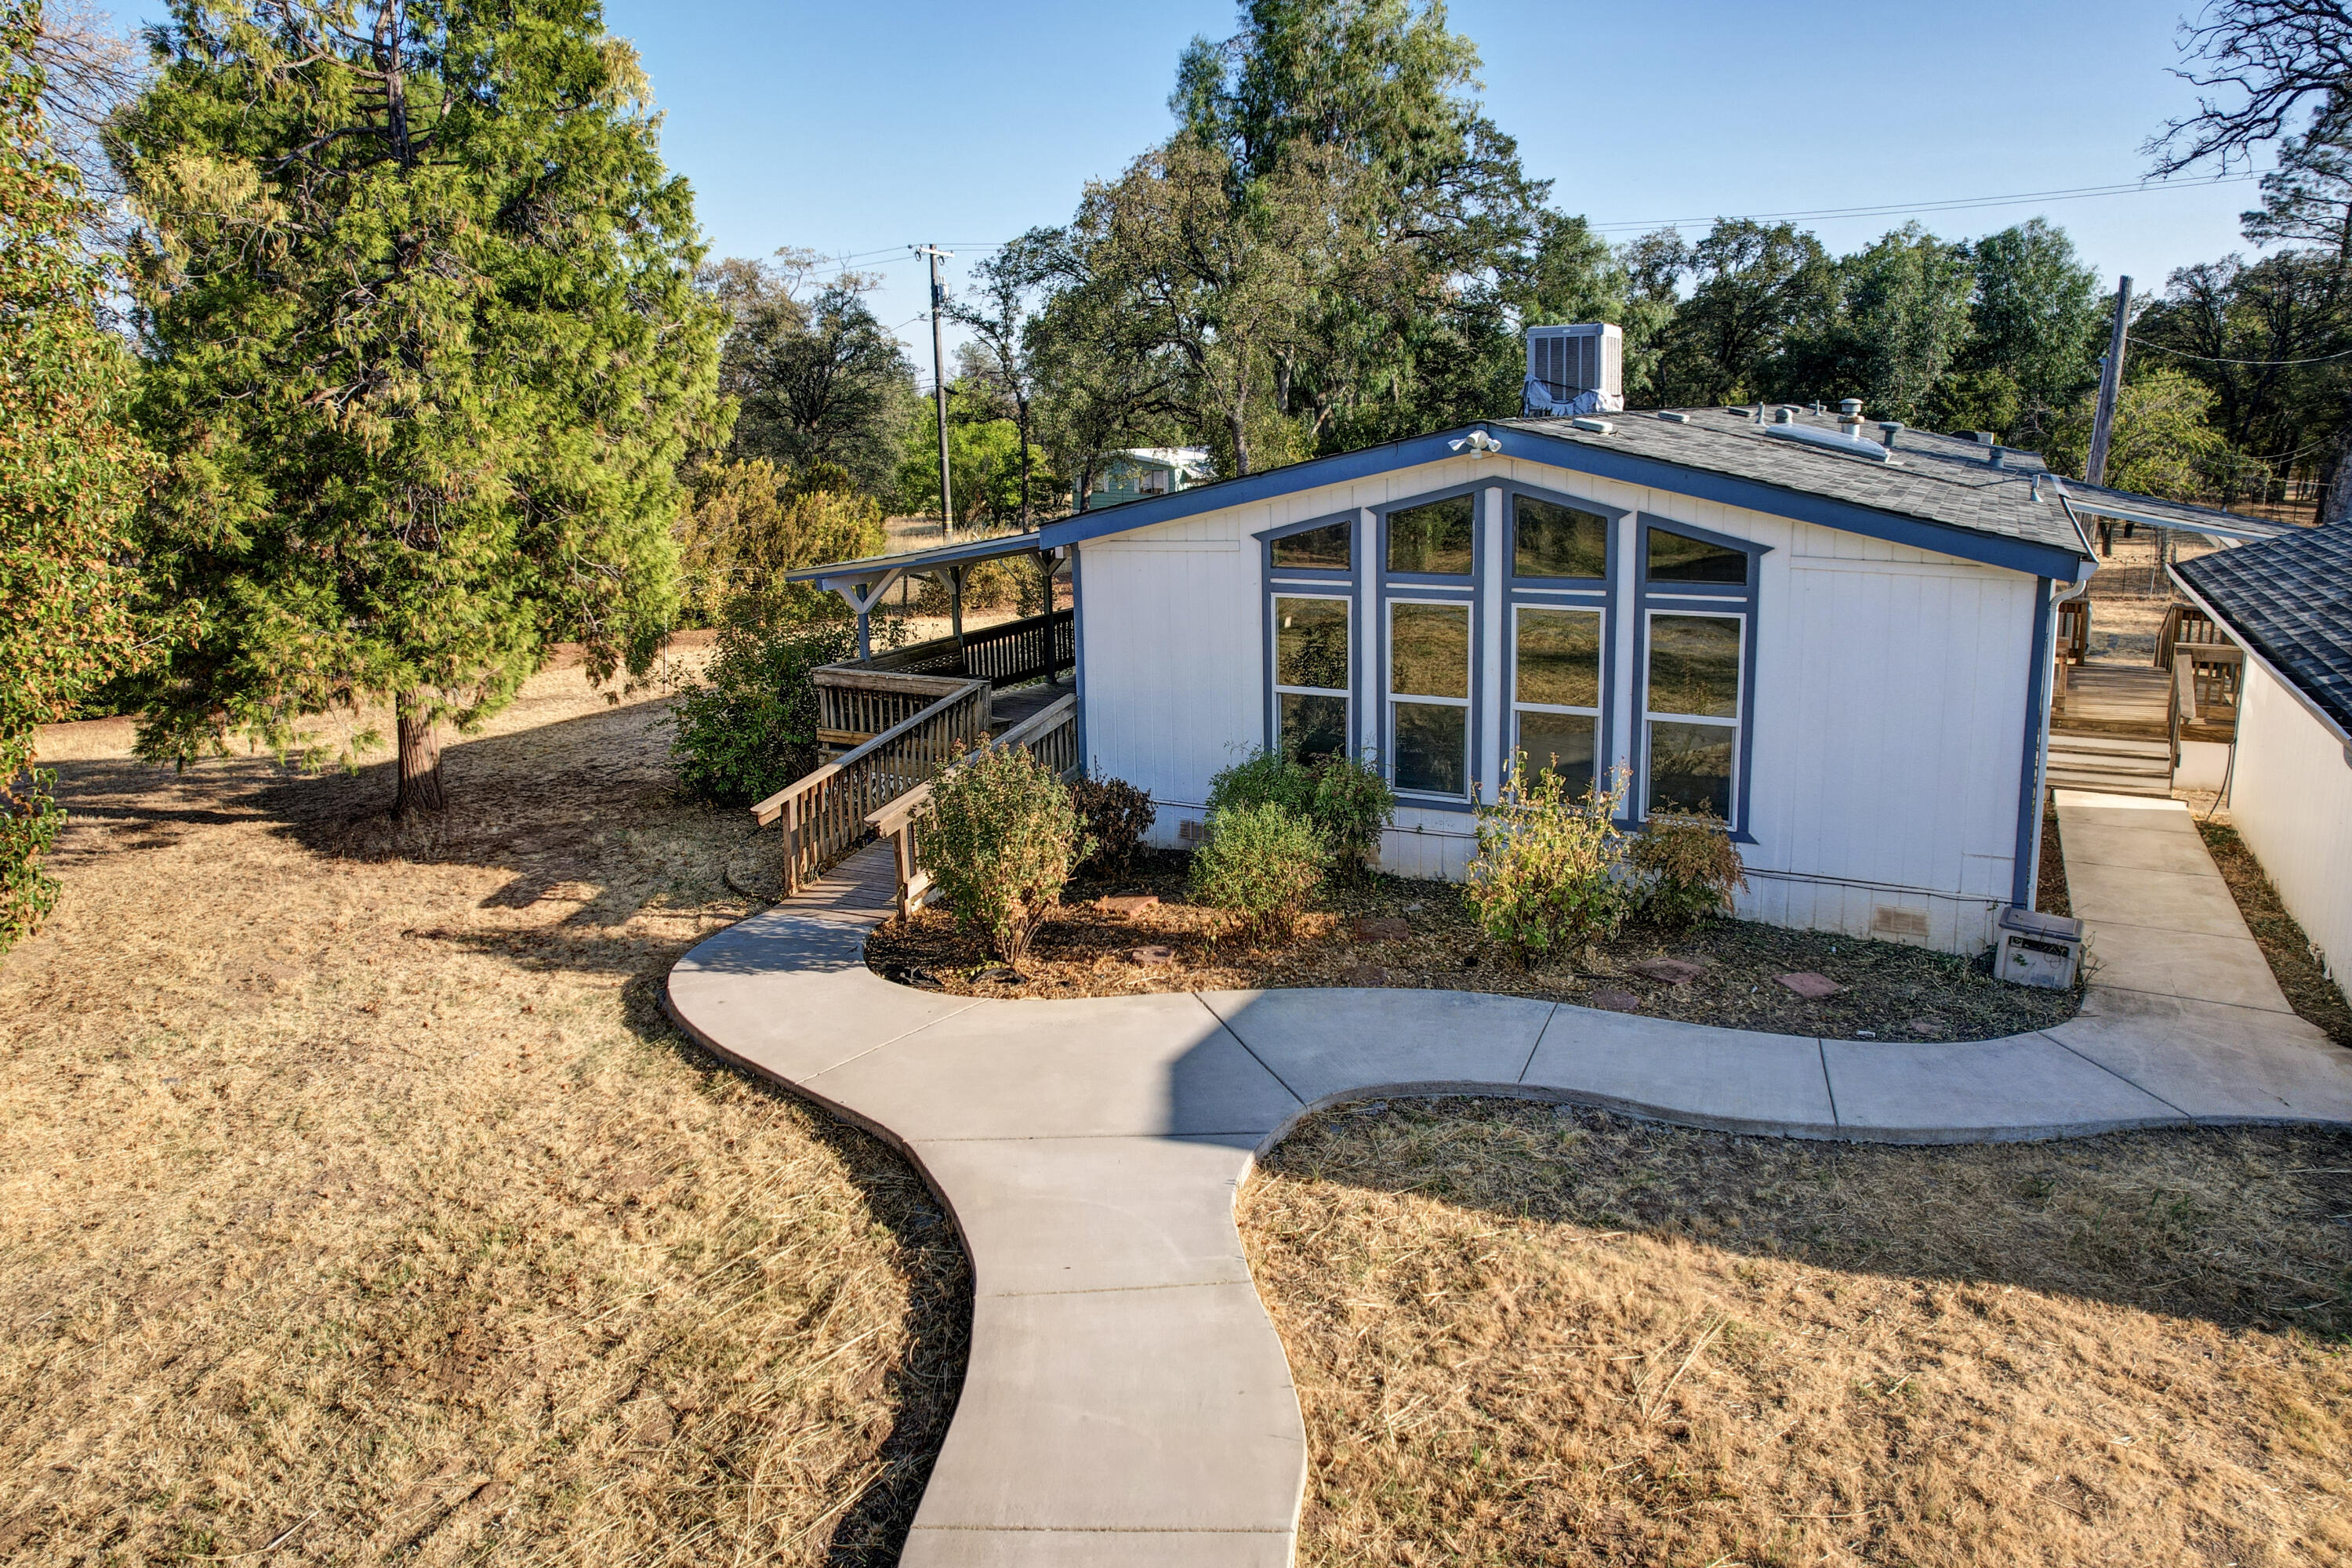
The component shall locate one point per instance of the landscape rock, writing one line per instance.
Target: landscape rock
(1385, 929)
(1615, 998)
(1127, 906)
(1153, 956)
(1673, 970)
(1812, 987)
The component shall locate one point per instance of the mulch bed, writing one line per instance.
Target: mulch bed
(2315, 997)
(1420, 935)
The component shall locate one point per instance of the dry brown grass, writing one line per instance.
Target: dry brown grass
(1893, 991)
(1524, 1335)
(358, 1199)
(2295, 963)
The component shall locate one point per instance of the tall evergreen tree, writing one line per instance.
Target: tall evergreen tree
(69, 473)
(425, 353)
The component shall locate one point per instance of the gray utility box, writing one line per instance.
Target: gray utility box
(2044, 951)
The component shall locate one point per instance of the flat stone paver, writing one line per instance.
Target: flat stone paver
(1127, 1402)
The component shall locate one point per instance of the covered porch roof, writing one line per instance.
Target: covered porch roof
(874, 574)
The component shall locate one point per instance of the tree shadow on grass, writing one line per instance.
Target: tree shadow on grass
(2242, 1227)
(584, 818)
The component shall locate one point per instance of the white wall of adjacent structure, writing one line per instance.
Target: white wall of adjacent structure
(1889, 714)
(2291, 798)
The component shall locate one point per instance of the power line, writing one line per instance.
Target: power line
(2255, 364)
(1954, 203)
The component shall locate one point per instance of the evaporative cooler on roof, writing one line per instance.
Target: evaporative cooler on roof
(1579, 368)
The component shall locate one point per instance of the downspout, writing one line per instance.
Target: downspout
(2025, 882)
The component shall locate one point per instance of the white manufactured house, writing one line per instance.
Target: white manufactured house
(1837, 636)
(2288, 604)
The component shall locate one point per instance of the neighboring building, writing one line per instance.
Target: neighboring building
(1139, 471)
(2287, 602)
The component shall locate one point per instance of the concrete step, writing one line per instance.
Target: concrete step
(2159, 786)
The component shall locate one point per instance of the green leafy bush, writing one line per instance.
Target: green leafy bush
(1549, 873)
(1352, 804)
(1260, 863)
(749, 727)
(1001, 837)
(1688, 868)
(1345, 798)
(1116, 815)
(1263, 778)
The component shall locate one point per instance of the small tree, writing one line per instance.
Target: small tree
(69, 474)
(1001, 837)
(1261, 863)
(1548, 874)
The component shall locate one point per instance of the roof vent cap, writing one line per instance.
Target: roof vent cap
(1784, 414)
(1850, 408)
(1887, 430)
(1674, 417)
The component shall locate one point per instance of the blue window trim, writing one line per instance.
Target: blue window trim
(1698, 599)
(1429, 588)
(2025, 878)
(2031, 557)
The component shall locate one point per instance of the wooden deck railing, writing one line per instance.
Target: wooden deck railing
(856, 702)
(1010, 653)
(1052, 737)
(824, 813)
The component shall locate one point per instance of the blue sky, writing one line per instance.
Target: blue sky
(861, 128)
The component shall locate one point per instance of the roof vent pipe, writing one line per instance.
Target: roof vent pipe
(1784, 415)
(1850, 417)
(1995, 459)
(1887, 430)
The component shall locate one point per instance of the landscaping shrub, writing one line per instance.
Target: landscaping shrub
(1688, 868)
(1353, 803)
(1549, 873)
(1261, 862)
(1345, 798)
(1001, 837)
(749, 727)
(1263, 778)
(1116, 815)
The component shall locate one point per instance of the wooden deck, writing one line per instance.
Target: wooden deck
(1013, 704)
(2100, 697)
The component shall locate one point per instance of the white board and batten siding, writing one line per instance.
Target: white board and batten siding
(2290, 799)
(1889, 707)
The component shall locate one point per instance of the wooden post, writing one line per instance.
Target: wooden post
(955, 603)
(2111, 378)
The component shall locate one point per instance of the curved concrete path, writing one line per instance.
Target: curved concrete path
(1127, 1401)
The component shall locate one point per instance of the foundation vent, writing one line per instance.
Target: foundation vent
(1898, 924)
(1189, 830)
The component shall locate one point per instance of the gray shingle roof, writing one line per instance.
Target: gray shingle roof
(2290, 600)
(1938, 479)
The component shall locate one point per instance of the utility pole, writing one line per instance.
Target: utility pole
(2111, 380)
(939, 381)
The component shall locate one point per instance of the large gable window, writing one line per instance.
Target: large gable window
(1433, 540)
(1548, 540)
(1556, 691)
(1321, 549)
(1310, 676)
(1678, 558)
(1429, 700)
(1693, 712)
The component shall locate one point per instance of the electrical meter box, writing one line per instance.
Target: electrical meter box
(2043, 950)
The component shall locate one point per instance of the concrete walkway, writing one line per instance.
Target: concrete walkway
(1127, 1401)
